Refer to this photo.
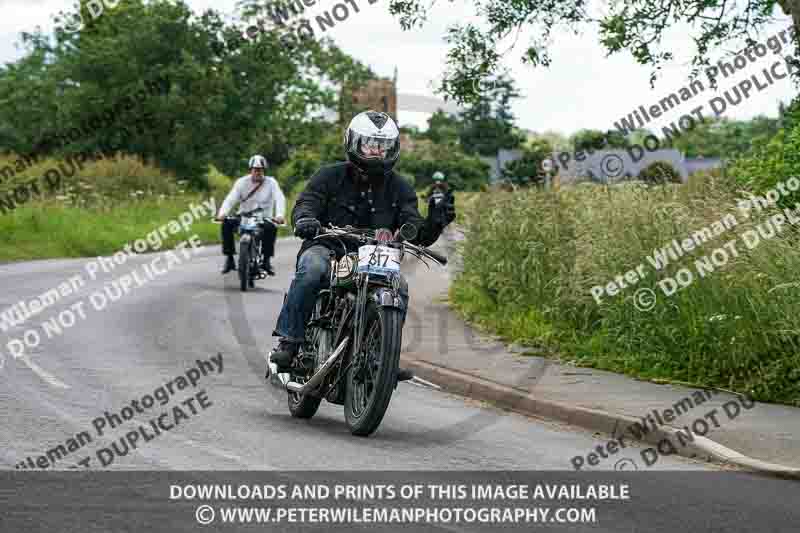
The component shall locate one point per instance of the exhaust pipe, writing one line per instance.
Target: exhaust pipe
(317, 378)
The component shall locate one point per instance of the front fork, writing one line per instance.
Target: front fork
(382, 297)
(251, 240)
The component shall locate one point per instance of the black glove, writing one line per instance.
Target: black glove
(443, 213)
(307, 228)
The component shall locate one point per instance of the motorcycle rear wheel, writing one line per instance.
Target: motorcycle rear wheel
(319, 341)
(370, 385)
(303, 405)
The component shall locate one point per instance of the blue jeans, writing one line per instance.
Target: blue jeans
(312, 275)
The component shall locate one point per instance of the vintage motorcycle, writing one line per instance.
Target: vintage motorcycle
(352, 342)
(250, 252)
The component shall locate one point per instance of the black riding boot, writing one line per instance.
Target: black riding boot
(267, 267)
(404, 374)
(284, 355)
(230, 265)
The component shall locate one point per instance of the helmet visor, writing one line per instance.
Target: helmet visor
(374, 148)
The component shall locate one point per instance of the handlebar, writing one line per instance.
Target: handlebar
(249, 214)
(437, 256)
(369, 235)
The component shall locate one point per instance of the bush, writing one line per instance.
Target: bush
(298, 188)
(532, 257)
(528, 169)
(217, 182)
(102, 182)
(463, 172)
(306, 160)
(659, 172)
(771, 162)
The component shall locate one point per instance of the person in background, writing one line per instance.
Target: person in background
(440, 192)
(250, 192)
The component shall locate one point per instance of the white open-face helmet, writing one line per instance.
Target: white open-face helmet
(372, 142)
(257, 161)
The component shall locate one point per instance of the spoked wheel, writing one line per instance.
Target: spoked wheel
(319, 342)
(303, 406)
(371, 378)
(255, 260)
(244, 266)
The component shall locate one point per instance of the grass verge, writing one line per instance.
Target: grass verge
(531, 259)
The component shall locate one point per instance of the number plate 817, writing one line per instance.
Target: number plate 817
(378, 259)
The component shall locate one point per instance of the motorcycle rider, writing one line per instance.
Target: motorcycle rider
(250, 192)
(440, 191)
(363, 192)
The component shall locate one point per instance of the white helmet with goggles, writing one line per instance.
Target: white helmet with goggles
(372, 142)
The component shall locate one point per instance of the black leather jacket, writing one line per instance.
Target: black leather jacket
(335, 195)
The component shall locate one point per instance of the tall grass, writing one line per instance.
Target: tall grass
(532, 257)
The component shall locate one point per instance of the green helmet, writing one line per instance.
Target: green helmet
(438, 176)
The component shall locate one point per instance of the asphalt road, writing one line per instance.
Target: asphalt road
(157, 332)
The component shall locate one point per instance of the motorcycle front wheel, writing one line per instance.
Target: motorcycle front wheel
(372, 376)
(244, 265)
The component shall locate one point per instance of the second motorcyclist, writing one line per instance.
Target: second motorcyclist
(251, 192)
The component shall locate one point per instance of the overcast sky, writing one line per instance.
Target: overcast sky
(582, 89)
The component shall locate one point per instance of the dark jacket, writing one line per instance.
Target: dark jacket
(445, 190)
(335, 195)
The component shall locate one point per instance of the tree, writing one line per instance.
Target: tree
(464, 172)
(488, 123)
(558, 141)
(308, 158)
(444, 128)
(723, 137)
(637, 26)
(771, 163)
(220, 104)
(593, 140)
